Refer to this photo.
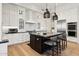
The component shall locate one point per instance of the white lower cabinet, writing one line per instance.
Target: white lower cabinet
(25, 37)
(3, 49)
(17, 38)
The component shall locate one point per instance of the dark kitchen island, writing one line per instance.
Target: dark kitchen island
(37, 41)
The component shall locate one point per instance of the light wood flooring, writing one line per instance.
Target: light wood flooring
(71, 50)
(23, 49)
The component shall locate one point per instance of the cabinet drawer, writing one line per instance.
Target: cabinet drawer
(3, 47)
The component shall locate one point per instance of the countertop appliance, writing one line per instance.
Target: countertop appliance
(9, 29)
(13, 30)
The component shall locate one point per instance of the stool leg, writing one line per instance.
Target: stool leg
(66, 43)
(62, 44)
(57, 51)
(53, 51)
(58, 46)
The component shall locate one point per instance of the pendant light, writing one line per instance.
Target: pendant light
(55, 16)
(46, 13)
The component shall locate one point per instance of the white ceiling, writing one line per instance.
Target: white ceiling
(50, 6)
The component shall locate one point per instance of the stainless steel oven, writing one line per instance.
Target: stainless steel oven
(72, 29)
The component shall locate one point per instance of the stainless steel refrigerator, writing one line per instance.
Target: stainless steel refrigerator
(61, 26)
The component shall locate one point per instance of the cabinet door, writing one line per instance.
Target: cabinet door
(13, 15)
(9, 15)
(32, 41)
(27, 14)
(24, 37)
(3, 49)
(5, 14)
(38, 45)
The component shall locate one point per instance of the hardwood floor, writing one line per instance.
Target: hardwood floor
(23, 49)
(71, 50)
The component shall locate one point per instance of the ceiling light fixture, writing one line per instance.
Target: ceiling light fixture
(55, 16)
(46, 13)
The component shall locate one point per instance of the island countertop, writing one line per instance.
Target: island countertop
(47, 34)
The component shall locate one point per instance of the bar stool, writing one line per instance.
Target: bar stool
(63, 40)
(55, 45)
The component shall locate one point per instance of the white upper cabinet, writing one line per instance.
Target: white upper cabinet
(9, 15)
(5, 15)
(27, 14)
(18, 16)
(13, 15)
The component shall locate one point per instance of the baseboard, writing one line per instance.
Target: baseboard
(73, 42)
(19, 43)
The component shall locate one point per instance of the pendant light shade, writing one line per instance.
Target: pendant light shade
(47, 14)
(55, 16)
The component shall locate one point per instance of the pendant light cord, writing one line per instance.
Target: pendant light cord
(42, 8)
(46, 5)
(55, 7)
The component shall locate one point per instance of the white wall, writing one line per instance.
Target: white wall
(0, 20)
(48, 25)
